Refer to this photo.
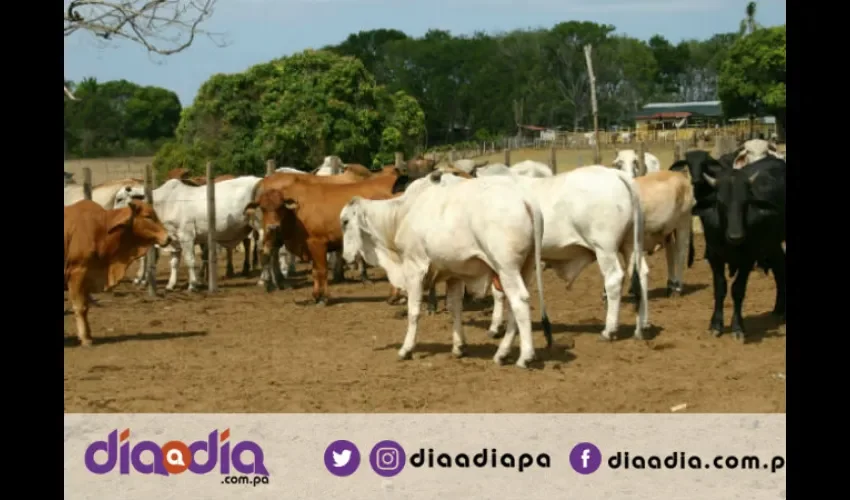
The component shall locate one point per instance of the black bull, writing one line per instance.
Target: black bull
(743, 216)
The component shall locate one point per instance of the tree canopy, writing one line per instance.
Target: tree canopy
(118, 118)
(752, 77)
(295, 110)
(381, 90)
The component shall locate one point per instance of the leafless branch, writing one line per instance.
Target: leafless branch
(70, 94)
(161, 26)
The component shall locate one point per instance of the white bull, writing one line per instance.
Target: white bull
(468, 165)
(109, 195)
(528, 168)
(183, 210)
(591, 213)
(626, 161)
(434, 233)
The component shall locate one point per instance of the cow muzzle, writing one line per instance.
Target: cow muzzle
(734, 238)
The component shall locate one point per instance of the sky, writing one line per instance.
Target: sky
(257, 31)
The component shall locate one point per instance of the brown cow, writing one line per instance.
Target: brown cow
(358, 170)
(306, 216)
(99, 246)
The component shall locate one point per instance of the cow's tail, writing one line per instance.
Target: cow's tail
(638, 230)
(537, 223)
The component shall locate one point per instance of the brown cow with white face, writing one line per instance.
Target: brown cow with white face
(99, 246)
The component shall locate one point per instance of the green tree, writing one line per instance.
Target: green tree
(752, 78)
(295, 110)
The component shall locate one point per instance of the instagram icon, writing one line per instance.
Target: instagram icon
(387, 458)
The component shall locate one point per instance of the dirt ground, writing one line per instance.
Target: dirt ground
(244, 350)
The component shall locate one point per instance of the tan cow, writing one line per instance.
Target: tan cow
(305, 214)
(99, 246)
(667, 198)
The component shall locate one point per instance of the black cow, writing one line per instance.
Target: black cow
(743, 217)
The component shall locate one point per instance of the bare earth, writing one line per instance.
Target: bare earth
(244, 350)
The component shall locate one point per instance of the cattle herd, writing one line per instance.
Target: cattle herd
(480, 228)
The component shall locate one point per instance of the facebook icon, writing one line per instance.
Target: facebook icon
(585, 458)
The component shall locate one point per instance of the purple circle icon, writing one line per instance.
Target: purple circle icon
(342, 458)
(387, 458)
(585, 458)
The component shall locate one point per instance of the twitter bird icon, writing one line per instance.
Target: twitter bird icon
(342, 458)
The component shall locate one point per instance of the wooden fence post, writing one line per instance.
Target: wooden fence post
(212, 250)
(642, 158)
(151, 257)
(87, 183)
(399, 159)
(553, 160)
(597, 158)
(270, 167)
(507, 156)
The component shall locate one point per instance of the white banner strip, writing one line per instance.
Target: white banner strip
(432, 456)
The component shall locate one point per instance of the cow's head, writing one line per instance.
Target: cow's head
(127, 193)
(354, 224)
(626, 160)
(734, 192)
(274, 212)
(138, 221)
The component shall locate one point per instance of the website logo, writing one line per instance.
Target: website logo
(175, 457)
(585, 458)
(387, 458)
(342, 458)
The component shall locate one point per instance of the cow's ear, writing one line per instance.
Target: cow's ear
(290, 204)
(679, 165)
(120, 218)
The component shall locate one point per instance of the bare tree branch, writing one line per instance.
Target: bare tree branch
(70, 94)
(163, 27)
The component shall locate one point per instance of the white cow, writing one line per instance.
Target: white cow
(754, 150)
(591, 213)
(434, 233)
(528, 168)
(626, 161)
(290, 170)
(332, 165)
(183, 210)
(109, 195)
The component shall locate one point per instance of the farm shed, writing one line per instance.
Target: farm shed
(673, 115)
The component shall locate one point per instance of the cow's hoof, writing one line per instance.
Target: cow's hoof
(523, 363)
(366, 281)
(459, 351)
(246, 274)
(430, 311)
(86, 343)
(402, 301)
(322, 302)
(404, 356)
(606, 337)
(499, 333)
(499, 358)
(739, 336)
(716, 332)
(169, 288)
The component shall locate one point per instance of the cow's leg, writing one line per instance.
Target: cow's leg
(498, 314)
(336, 262)
(612, 271)
(395, 295)
(454, 297)
(319, 253)
(255, 254)
(739, 290)
(514, 286)
(718, 268)
(140, 274)
(189, 260)
(364, 275)
(174, 263)
(246, 263)
(779, 277)
(432, 297)
(414, 303)
(508, 340)
(79, 299)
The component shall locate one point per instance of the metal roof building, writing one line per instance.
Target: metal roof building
(679, 110)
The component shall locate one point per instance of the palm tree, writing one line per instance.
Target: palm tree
(749, 24)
